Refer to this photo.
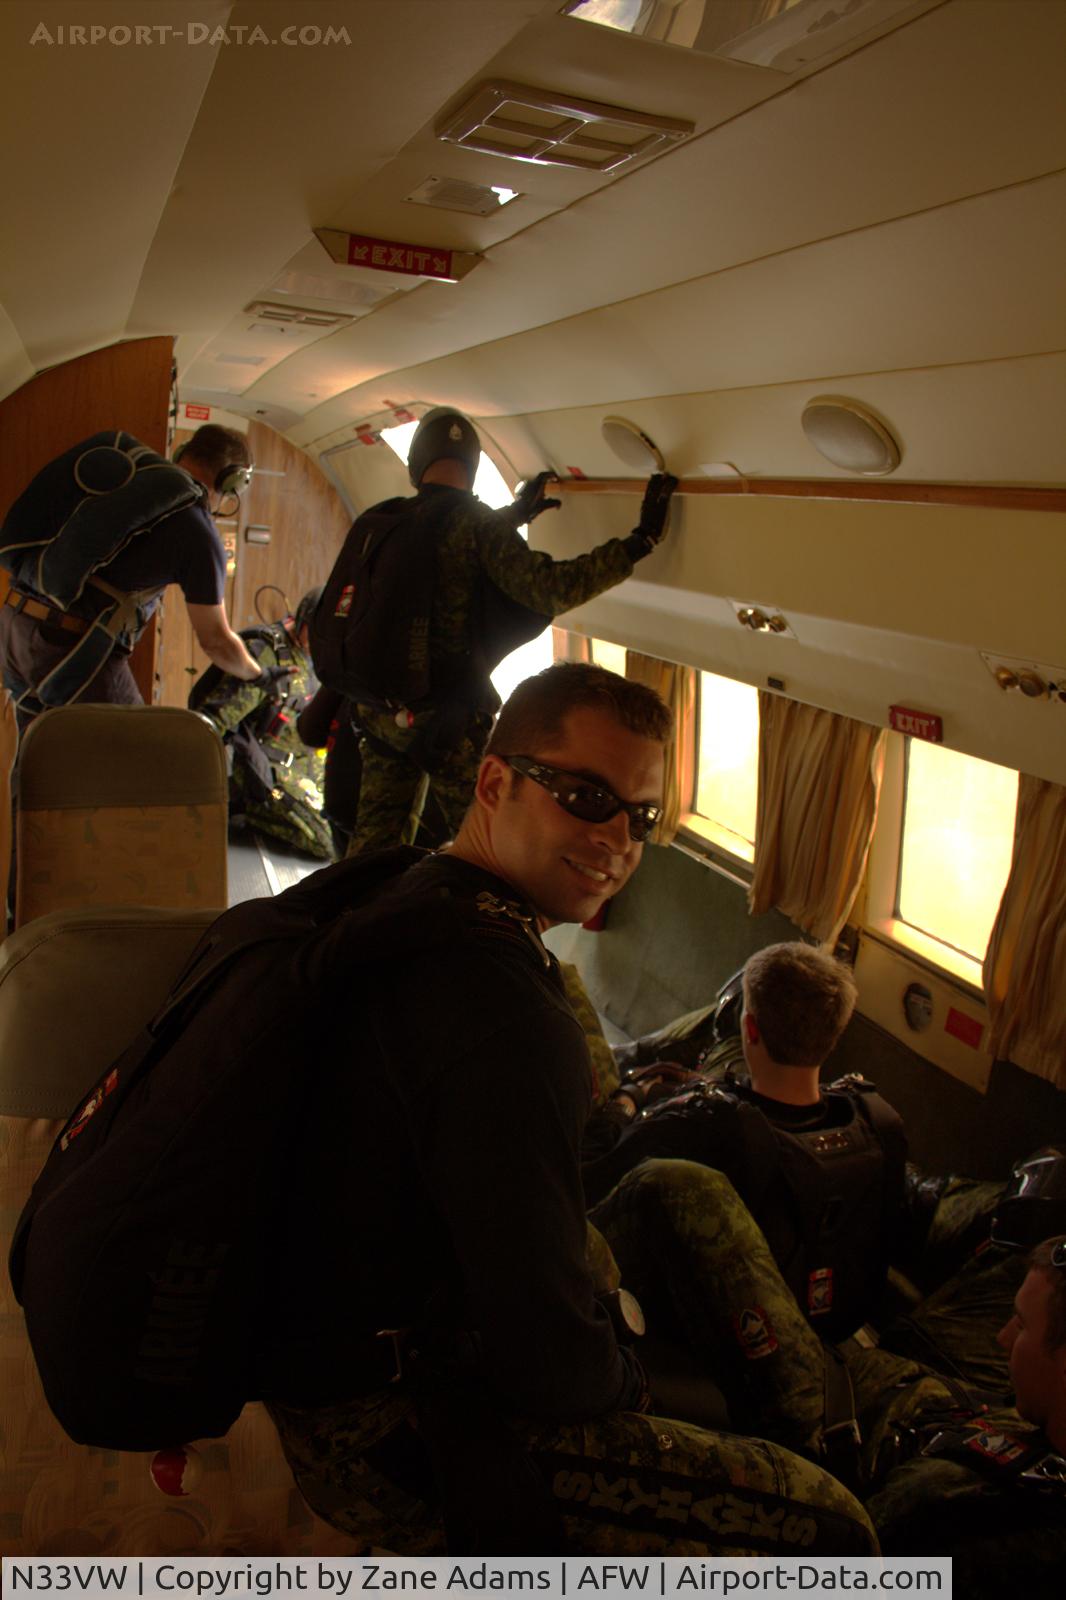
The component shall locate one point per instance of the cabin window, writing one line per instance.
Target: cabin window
(612, 657)
(941, 853)
(955, 853)
(491, 488)
(726, 765)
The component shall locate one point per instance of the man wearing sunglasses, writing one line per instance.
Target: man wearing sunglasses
(505, 1417)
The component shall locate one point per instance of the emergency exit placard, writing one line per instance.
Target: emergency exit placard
(919, 724)
(396, 255)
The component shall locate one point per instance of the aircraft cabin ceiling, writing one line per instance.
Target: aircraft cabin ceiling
(878, 213)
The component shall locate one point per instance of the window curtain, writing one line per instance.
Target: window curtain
(819, 783)
(677, 686)
(1025, 968)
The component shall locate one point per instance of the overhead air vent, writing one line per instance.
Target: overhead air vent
(454, 194)
(296, 316)
(230, 360)
(552, 129)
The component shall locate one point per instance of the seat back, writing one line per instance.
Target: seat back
(120, 805)
(75, 987)
(9, 740)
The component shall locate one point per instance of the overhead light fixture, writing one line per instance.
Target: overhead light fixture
(550, 128)
(850, 436)
(288, 315)
(455, 194)
(632, 445)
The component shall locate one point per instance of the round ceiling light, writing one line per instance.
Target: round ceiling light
(850, 436)
(631, 445)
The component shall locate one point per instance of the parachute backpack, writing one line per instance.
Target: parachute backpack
(146, 1257)
(370, 631)
(97, 496)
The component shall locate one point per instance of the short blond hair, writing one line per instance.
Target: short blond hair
(802, 1000)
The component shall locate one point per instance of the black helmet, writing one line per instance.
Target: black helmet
(306, 609)
(443, 434)
(1032, 1207)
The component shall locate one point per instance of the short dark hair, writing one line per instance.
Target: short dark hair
(1039, 1260)
(217, 448)
(801, 998)
(533, 717)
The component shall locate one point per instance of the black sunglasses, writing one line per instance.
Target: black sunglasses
(1058, 1254)
(591, 802)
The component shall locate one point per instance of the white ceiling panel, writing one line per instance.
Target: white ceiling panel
(286, 136)
(977, 281)
(93, 135)
(843, 150)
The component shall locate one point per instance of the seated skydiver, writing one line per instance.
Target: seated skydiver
(275, 782)
(820, 1169)
(949, 1465)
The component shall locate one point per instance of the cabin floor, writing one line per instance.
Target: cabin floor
(256, 867)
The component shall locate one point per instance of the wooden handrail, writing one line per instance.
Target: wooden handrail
(988, 496)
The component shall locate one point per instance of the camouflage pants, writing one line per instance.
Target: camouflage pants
(620, 1484)
(605, 1074)
(395, 786)
(954, 1328)
(688, 1248)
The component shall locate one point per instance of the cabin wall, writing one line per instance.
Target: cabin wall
(886, 605)
(123, 386)
(680, 929)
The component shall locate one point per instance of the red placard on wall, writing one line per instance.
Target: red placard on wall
(919, 724)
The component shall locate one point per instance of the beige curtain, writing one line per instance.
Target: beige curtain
(819, 783)
(677, 686)
(1025, 968)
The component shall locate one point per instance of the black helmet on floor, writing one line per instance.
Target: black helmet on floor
(306, 609)
(443, 434)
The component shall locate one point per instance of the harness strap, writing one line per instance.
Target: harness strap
(841, 1435)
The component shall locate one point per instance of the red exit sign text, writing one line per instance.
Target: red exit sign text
(919, 724)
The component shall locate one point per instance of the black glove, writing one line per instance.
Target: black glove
(529, 502)
(268, 678)
(653, 513)
(642, 1087)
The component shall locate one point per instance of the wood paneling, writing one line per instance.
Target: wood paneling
(1003, 497)
(307, 522)
(124, 386)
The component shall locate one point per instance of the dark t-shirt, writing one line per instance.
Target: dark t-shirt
(183, 548)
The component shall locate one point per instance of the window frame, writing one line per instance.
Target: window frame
(702, 835)
(876, 910)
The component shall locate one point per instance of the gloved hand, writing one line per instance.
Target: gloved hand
(653, 513)
(529, 502)
(644, 1085)
(269, 678)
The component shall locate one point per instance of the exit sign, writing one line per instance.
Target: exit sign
(919, 724)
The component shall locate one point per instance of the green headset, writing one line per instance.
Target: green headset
(231, 479)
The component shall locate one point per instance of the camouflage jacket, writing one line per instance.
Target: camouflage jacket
(475, 544)
(986, 1489)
